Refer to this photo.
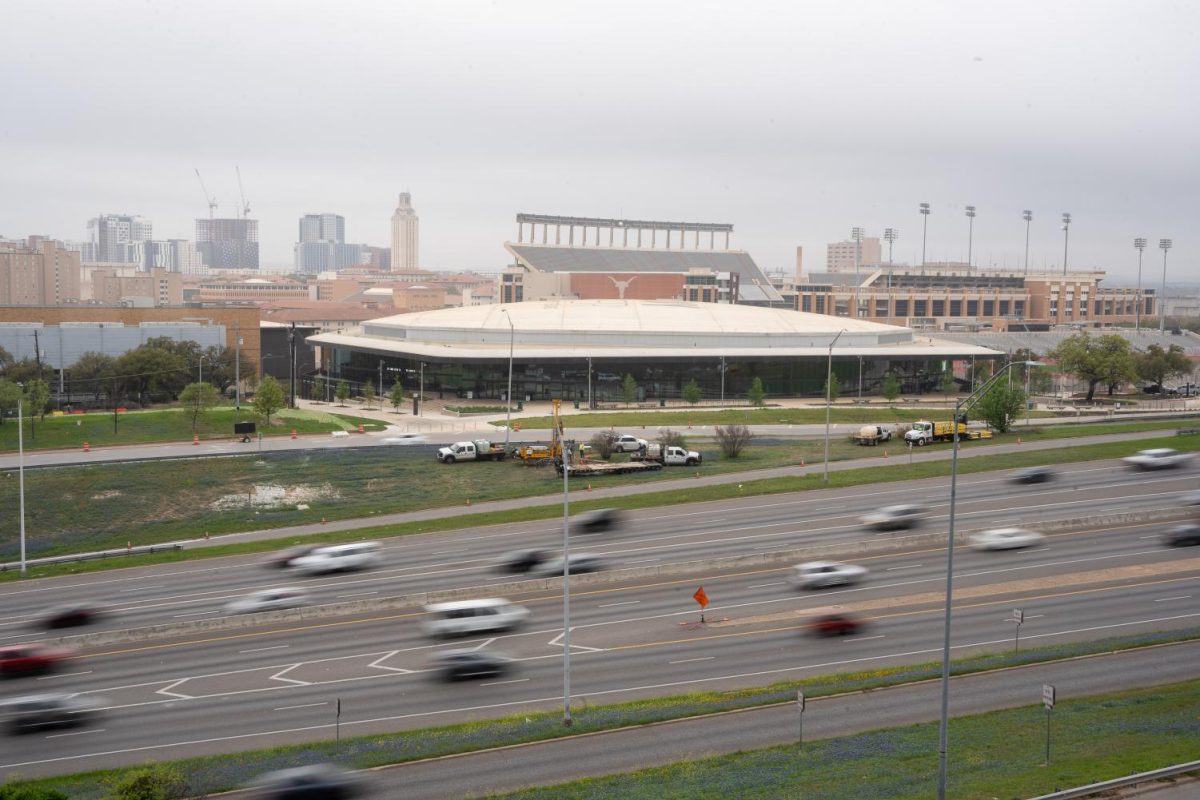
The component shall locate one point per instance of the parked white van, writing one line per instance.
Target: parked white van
(473, 616)
(338, 558)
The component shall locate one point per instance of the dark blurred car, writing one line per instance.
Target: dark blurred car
(598, 521)
(71, 615)
(1186, 534)
(457, 665)
(40, 711)
(579, 564)
(314, 782)
(30, 659)
(284, 558)
(521, 561)
(1033, 475)
(836, 624)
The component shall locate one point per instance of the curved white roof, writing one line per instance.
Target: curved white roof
(633, 328)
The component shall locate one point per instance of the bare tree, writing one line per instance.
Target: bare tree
(603, 443)
(670, 438)
(733, 439)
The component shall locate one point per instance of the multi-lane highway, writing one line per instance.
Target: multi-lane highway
(238, 689)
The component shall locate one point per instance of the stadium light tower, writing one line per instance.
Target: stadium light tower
(890, 235)
(924, 230)
(1027, 215)
(1066, 218)
(1140, 244)
(857, 234)
(1165, 245)
(970, 234)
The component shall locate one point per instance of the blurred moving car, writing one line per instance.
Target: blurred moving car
(521, 561)
(457, 665)
(1185, 534)
(1005, 539)
(578, 563)
(819, 574)
(895, 518)
(39, 711)
(1033, 475)
(404, 439)
(836, 623)
(323, 781)
(268, 600)
(1190, 498)
(465, 617)
(598, 521)
(1158, 458)
(71, 615)
(286, 558)
(31, 658)
(339, 558)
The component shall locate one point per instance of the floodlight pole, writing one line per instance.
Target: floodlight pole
(566, 462)
(508, 397)
(21, 475)
(828, 400)
(1140, 244)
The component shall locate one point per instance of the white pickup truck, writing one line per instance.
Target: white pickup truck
(670, 456)
(1159, 458)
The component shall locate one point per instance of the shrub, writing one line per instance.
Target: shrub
(670, 438)
(733, 439)
(602, 444)
(30, 793)
(152, 783)
(691, 392)
(756, 393)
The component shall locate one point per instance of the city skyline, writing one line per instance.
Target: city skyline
(938, 104)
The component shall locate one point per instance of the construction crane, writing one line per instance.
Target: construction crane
(210, 199)
(245, 205)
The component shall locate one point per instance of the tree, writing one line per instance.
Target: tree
(755, 393)
(1104, 359)
(733, 439)
(154, 372)
(342, 392)
(670, 438)
(93, 372)
(1040, 381)
(27, 370)
(1000, 405)
(831, 387)
(37, 397)
(269, 397)
(948, 384)
(891, 387)
(197, 399)
(629, 389)
(691, 392)
(6, 360)
(156, 782)
(368, 394)
(318, 389)
(397, 396)
(220, 367)
(602, 443)
(10, 393)
(1155, 365)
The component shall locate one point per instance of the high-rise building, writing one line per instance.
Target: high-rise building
(839, 256)
(404, 236)
(379, 258)
(117, 238)
(322, 246)
(228, 243)
(175, 255)
(38, 273)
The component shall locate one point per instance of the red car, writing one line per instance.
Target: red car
(30, 659)
(836, 624)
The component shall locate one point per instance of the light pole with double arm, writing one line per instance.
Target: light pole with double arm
(508, 397)
(828, 400)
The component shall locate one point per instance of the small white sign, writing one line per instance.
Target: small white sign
(800, 701)
(1018, 615)
(1048, 696)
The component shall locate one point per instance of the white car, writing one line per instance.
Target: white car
(404, 439)
(629, 444)
(338, 558)
(895, 518)
(1159, 458)
(819, 574)
(268, 600)
(466, 617)
(1005, 539)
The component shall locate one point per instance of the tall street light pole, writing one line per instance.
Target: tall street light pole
(1165, 245)
(1066, 219)
(924, 231)
(568, 446)
(959, 414)
(828, 400)
(890, 235)
(857, 234)
(508, 397)
(21, 475)
(970, 234)
(1140, 244)
(237, 369)
(200, 379)
(1027, 215)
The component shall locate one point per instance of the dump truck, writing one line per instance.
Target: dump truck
(924, 432)
(475, 450)
(872, 435)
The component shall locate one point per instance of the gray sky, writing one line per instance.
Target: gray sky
(794, 121)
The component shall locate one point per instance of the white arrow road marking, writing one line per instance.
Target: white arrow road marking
(166, 690)
(557, 640)
(376, 665)
(278, 676)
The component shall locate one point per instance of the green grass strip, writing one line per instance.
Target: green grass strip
(219, 773)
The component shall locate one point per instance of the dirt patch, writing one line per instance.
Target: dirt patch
(275, 496)
(107, 495)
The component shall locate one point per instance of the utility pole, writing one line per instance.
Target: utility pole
(291, 337)
(237, 368)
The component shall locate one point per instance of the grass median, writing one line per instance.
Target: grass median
(211, 774)
(896, 469)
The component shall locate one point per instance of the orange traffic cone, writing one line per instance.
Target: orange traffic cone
(293, 433)
(589, 487)
(360, 428)
(86, 448)
(802, 462)
(468, 501)
(885, 453)
(195, 438)
(1018, 440)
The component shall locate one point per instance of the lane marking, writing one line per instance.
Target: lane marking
(690, 660)
(622, 603)
(863, 638)
(760, 585)
(356, 594)
(192, 614)
(264, 649)
(75, 733)
(278, 676)
(139, 588)
(65, 675)
(1167, 599)
(904, 566)
(166, 690)
(501, 683)
(302, 705)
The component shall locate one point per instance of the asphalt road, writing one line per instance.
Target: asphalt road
(242, 690)
(199, 590)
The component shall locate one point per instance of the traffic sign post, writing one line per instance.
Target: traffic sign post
(701, 598)
(337, 725)
(1048, 702)
(1017, 617)
(800, 709)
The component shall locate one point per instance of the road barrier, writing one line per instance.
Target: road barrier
(124, 551)
(1120, 783)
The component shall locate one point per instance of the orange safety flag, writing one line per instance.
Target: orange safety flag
(700, 597)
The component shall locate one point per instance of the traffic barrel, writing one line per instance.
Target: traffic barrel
(293, 433)
(195, 438)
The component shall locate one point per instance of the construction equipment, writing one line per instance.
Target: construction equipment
(210, 199)
(245, 205)
(578, 465)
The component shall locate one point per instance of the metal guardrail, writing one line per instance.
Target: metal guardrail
(1119, 783)
(124, 551)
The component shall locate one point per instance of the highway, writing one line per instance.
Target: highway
(636, 639)
(175, 593)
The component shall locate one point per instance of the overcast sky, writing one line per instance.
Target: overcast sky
(794, 121)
